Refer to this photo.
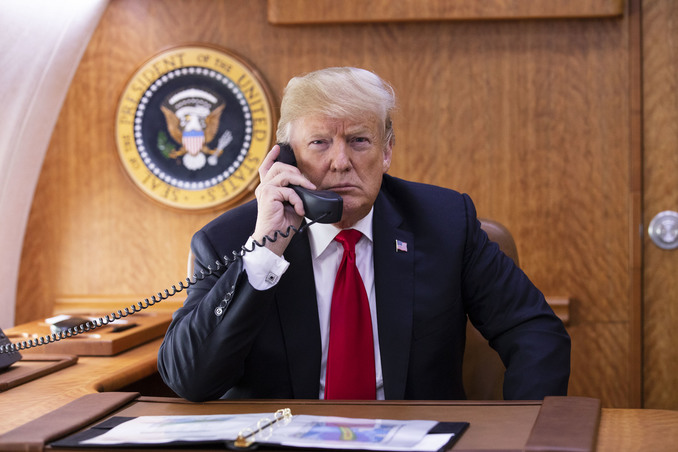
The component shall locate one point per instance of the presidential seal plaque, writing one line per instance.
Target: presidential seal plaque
(192, 126)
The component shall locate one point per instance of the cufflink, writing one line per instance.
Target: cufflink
(272, 278)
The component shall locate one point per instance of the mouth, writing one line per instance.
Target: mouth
(339, 188)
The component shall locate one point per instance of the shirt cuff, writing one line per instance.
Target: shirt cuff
(264, 268)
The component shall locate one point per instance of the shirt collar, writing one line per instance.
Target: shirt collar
(320, 235)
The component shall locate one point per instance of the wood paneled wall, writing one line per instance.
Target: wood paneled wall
(660, 81)
(530, 117)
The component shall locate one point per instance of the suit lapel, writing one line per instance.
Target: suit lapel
(298, 312)
(394, 282)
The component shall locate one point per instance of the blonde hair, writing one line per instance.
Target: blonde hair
(337, 92)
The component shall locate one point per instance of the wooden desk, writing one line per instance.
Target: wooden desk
(89, 375)
(493, 425)
(619, 429)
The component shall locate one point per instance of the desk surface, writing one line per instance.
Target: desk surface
(619, 429)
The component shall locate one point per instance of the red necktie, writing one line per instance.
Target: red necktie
(350, 359)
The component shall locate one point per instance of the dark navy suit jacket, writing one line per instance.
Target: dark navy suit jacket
(266, 344)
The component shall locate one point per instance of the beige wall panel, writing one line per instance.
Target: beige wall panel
(660, 29)
(529, 117)
(329, 11)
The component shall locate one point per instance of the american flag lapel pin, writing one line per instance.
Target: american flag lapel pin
(401, 247)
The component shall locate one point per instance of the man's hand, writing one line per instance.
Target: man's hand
(278, 205)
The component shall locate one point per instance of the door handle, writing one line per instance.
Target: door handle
(663, 230)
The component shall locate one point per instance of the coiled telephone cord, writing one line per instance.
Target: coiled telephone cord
(91, 325)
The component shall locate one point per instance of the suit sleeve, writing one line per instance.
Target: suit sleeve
(205, 347)
(513, 315)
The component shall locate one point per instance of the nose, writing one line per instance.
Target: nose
(340, 159)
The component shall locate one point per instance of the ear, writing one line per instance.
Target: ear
(388, 154)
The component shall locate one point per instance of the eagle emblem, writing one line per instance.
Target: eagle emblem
(192, 127)
(193, 116)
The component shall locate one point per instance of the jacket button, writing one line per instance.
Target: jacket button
(218, 311)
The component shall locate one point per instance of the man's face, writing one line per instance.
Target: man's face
(343, 156)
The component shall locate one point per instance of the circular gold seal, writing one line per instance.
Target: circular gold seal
(192, 127)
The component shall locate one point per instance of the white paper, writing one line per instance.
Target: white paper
(166, 429)
(301, 431)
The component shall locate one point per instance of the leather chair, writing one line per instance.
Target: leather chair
(483, 371)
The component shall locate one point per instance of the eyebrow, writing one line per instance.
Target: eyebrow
(361, 130)
(348, 133)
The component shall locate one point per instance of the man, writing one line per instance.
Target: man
(263, 328)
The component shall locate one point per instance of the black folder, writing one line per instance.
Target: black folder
(75, 440)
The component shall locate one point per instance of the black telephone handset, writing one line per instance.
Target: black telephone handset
(7, 359)
(323, 206)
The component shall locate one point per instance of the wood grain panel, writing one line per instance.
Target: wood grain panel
(530, 118)
(637, 430)
(329, 11)
(597, 348)
(660, 300)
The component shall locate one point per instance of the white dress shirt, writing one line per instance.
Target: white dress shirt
(264, 269)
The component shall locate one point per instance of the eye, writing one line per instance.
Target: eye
(360, 142)
(317, 145)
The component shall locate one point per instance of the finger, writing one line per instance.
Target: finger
(271, 194)
(275, 200)
(283, 177)
(268, 161)
(270, 167)
(295, 201)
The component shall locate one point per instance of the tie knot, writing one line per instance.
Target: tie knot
(348, 238)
